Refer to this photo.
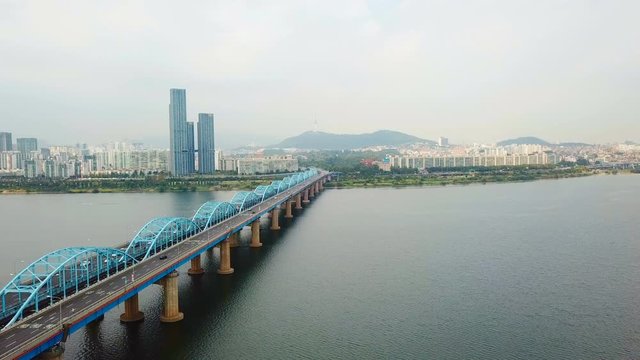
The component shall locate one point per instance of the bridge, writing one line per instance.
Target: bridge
(69, 288)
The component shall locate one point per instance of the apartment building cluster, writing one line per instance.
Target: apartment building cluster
(25, 158)
(255, 164)
(472, 156)
(472, 161)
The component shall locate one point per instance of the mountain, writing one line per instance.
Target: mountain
(531, 140)
(527, 140)
(327, 141)
(574, 144)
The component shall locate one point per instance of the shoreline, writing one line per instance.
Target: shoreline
(348, 182)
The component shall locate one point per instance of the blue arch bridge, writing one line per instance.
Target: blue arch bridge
(66, 289)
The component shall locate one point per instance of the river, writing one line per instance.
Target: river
(544, 269)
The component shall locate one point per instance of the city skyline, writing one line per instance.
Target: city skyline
(487, 72)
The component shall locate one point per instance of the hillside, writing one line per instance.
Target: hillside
(327, 141)
(531, 140)
(527, 140)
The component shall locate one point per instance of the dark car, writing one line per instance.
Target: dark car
(163, 257)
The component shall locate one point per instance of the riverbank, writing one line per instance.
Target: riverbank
(375, 181)
(352, 180)
(75, 186)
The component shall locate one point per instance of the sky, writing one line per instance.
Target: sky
(473, 71)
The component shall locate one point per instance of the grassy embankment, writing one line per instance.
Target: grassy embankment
(359, 181)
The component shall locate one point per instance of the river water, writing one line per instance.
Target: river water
(544, 269)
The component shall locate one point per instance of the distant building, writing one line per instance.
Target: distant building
(228, 164)
(545, 158)
(27, 145)
(50, 168)
(206, 144)
(5, 141)
(180, 157)
(262, 165)
(443, 141)
(191, 149)
(10, 160)
(31, 169)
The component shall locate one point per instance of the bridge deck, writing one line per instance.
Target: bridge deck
(40, 331)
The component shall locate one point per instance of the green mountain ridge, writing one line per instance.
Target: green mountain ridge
(532, 140)
(326, 141)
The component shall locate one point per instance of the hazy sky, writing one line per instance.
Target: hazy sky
(95, 71)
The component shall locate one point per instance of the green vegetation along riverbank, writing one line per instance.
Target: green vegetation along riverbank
(144, 184)
(454, 178)
(350, 179)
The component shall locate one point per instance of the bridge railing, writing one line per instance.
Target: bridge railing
(61, 272)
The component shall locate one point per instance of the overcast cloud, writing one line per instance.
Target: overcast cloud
(475, 71)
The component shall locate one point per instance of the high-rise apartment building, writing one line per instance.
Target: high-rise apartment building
(191, 148)
(180, 161)
(5, 141)
(443, 141)
(27, 145)
(206, 144)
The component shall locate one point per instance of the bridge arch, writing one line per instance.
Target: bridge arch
(213, 212)
(58, 274)
(280, 185)
(245, 199)
(287, 181)
(159, 234)
(299, 177)
(265, 192)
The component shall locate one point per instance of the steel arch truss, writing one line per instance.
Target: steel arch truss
(287, 180)
(311, 172)
(265, 192)
(58, 275)
(297, 178)
(213, 212)
(280, 185)
(244, 200)
(159, 234)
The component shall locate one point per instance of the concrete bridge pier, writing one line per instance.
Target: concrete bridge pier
(306, 196)
(299, 201)
(255, 234)
(321, 185)
(132, 311)
(312, 192)
(196, 266)
(275, 221)
(171, 312)
(234, 240)
(288, 213)
(317, 186)
(225, 258)
(55, 353)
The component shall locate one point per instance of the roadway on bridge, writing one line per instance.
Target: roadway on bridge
(42, 326)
